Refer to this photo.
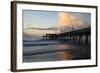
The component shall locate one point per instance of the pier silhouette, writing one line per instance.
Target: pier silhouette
(74, 36)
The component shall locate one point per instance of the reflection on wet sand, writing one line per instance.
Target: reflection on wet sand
(63, 55)
(73, 52)
(56, 52)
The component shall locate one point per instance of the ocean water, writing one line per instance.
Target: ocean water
(38, 50)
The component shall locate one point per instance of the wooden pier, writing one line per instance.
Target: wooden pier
(81, 36)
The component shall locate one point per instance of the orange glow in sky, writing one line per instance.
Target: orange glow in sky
(65, 19)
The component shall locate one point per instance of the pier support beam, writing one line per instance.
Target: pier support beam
(86, 39)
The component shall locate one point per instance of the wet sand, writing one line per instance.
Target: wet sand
(56, 52)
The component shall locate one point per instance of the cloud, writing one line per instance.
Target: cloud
(34, 31)
(67, 20)
(35, 28)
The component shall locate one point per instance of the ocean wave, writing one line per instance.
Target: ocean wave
(39, 43)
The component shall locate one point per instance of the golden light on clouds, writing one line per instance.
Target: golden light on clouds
(65, 19)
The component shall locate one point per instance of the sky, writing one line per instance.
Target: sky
(42, 22)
